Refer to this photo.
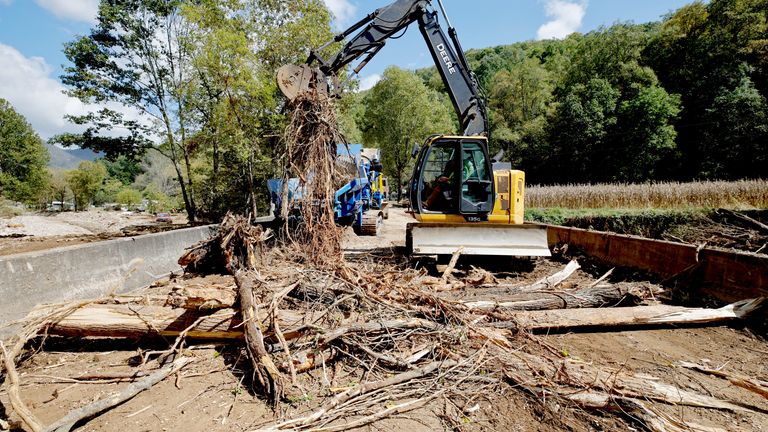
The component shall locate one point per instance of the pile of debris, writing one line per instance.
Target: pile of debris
(298, 306)
(418, 337)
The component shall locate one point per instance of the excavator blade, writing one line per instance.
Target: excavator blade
(527, 240)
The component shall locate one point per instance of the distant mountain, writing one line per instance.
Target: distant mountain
(69, 158)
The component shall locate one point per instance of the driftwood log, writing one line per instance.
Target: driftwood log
(639, 316)
(593, 297)
(66, 423)
(131, 321)
(266, 372)
(201, 297)
(539, 374)
(135, 321)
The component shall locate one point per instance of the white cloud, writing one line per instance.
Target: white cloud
(27, 84)
(6, 2)
(76, 10)
(367, 83)
(343, 10)
(565, 18)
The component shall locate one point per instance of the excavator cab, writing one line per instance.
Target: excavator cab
(461, 203)
(453, 177)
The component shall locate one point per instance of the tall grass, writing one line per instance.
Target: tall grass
(746, 194)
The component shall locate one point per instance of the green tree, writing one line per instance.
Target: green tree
(203, 73)
(158, 200)
(520, 99)
(85, 182)
(134, 57)
(58, 187)
(23, 158)
(401, 110)
(129, 197)
(123, 168)
(232, 101)
(613, 121)
(108, 191)
(351, 110)
(713, 55)
(236, 47)
(580, 128)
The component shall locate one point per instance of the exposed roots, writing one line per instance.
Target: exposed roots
(310, 142)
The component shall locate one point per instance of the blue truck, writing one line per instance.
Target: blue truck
(361, 202)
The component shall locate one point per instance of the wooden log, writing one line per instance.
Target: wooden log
(639, 316)
(452, 264)
(66, 423)
(543, 284)
(136, 321)
(746, 219)
(14, 394)
(594, 297)
(752, 384)
(202, 297)
(636, 409)
(567, 377)
(266, 372)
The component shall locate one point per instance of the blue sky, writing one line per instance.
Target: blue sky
(33, 32)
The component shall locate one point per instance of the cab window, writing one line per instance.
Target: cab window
(439, 178)
(476, 180)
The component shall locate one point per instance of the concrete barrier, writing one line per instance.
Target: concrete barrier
(728, 276)
(90, 270)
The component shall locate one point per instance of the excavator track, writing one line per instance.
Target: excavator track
(372, 224)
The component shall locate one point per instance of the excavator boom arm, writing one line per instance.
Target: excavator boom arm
(371, 34)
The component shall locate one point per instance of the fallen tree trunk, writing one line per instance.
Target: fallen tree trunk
(567, 378)
(641, 316)
(746, 219)
(14, 394)
(636, 410)
(135, 321)
(554, 280)
(207, 298)
(752, 384)
(264, 368)
(543, 284)
(595, 297)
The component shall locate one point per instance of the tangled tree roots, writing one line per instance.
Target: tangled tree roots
(310, 142)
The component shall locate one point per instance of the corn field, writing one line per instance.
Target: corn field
(746, 194)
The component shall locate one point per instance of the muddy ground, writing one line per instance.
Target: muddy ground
(213, 393)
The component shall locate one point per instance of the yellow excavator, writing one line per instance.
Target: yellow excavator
(460, 197)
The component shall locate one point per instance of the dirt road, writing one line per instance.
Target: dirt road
(392, 234)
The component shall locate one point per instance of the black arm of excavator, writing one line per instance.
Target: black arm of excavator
(386, 22)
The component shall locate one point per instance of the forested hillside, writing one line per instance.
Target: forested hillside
(680, 99)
